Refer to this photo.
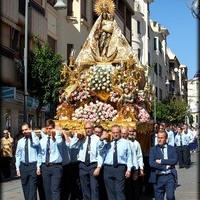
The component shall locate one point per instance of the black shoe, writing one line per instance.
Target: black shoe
(181, 167)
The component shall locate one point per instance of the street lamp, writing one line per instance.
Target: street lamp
(58, 6)
(26, 60)
(167, 83)
(194, 6)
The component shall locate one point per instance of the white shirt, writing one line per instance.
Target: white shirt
(136, 145)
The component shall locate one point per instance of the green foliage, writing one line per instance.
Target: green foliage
(46, 67)
(172, 110)
(161, 111)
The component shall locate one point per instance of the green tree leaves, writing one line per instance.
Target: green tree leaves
(172, 110)
(45, 71)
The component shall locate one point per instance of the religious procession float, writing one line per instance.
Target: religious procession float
(104, 84)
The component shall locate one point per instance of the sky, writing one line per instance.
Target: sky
(182, 26)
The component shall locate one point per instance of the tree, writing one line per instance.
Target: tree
(45, 71)
(172, 110)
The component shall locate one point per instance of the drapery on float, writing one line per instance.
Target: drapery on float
(104, 84)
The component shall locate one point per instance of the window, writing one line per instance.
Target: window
(22, 7)
(121, 8)
(149, 60)
(138, 27)
(160, 93)
(156, 92)
(160, 47)
(139, 54)
(160, 71)
(128, 19)
(70, 8)
(155, 68)
(14, 39)
(171, 87)
(83, 9)
(52, 43)
(155, 43)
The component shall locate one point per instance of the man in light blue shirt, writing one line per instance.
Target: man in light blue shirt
(26, 160)
(181, 143)
(117, 159)
(50, 161)
(90, 161)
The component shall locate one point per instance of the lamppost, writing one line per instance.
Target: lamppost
(194, 6)
(58, 6)
(167, 83)
(26, 59)
(156, 79)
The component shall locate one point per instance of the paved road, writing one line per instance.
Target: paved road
(188, 188)
(188, 180)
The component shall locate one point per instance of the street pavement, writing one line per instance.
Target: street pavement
(188, 184)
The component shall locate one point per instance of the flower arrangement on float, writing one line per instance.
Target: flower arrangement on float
(143, 115)
(80, 95)
(95, 112)
(114, 96)
(100, 78)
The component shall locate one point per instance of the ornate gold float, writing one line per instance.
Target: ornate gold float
(104, 84)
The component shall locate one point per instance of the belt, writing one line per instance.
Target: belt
(89, 163)
(113, 166)
(164, 172)
(28, 164)
(52, 164)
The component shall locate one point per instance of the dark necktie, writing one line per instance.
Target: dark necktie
(48, 151)
(162, 149)
(181, 143)
(115, 161)
(87, 156)
(26, 152)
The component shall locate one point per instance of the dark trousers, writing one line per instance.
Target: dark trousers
(52, 176)
(102, 188)
(132, 189)
(6, 167)
(188, 156)
(148, 187)
(183, 158)
(65, 183)
(165, 184)
(40, 187)
(75, 184)
(89, 183)
(29, 180)
(115, 182)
